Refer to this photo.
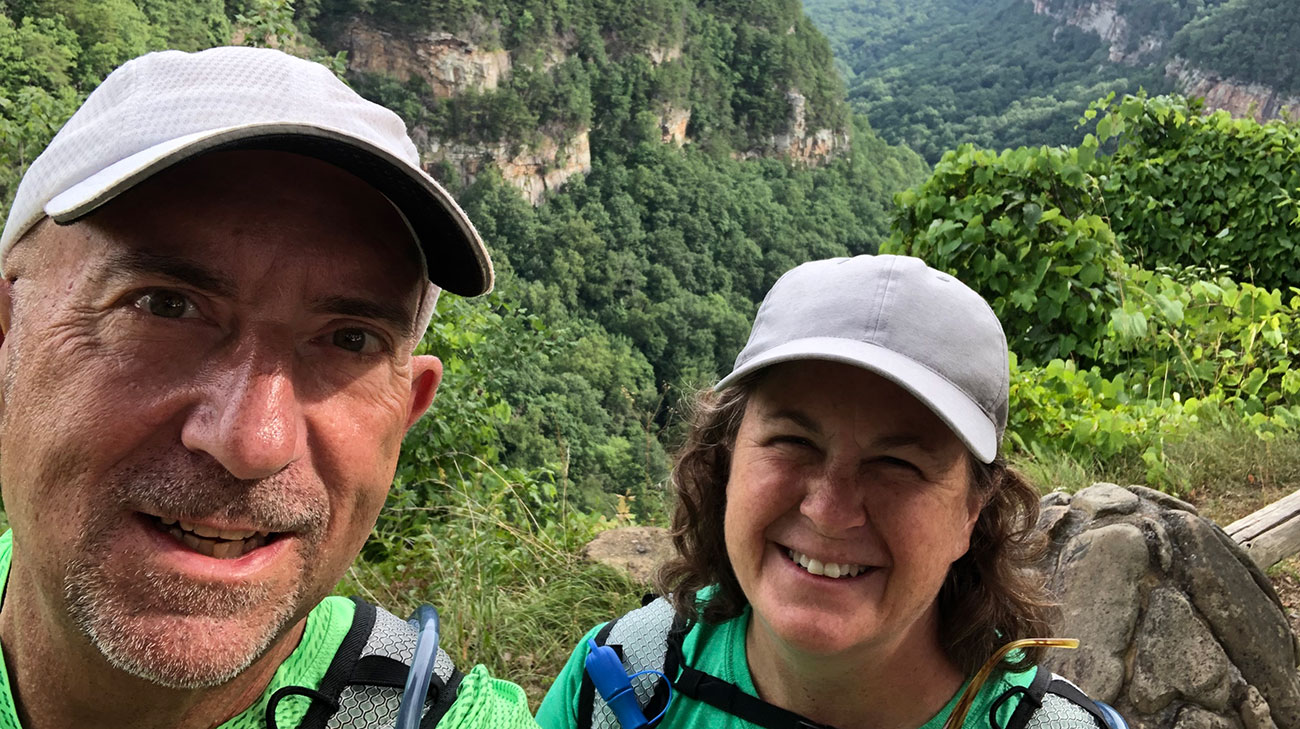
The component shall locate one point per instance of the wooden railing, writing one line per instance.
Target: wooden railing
(1271, 534)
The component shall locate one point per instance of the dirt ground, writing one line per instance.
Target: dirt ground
(1226, 505)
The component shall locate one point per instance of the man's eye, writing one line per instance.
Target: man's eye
(357, 340)
(167, 304)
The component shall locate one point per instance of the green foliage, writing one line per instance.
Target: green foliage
(1116, 360)
(1189, 189)
(1022, 229)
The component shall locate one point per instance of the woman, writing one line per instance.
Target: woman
(851, 548)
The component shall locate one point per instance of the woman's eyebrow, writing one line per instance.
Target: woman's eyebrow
(798, 417)
(904, 440)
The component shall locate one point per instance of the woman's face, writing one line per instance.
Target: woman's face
(847, 502)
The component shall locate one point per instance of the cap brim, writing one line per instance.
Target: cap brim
(457, 258)
(962, 415)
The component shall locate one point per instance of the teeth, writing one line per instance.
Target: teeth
(832, 570)
(219, 545)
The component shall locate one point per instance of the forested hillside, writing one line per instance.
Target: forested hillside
(1252, 40)
(933, 74)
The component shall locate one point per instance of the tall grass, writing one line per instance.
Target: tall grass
(503, 571)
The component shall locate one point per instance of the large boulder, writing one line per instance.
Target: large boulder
(1179, 628)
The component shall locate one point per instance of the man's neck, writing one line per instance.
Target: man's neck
(58, 679)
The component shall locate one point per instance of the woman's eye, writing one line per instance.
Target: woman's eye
(167, 304)
(357, 340)
(792, 440)
(897, 462)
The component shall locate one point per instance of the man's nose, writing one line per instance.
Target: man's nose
(249, 418)
(835, 500)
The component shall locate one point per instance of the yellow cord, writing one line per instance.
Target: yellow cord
(962, 708)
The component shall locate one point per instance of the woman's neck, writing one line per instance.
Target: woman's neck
(897, 684)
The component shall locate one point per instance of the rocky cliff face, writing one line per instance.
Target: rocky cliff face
(798, 143)
(534, 170)
(1238, 98)
(448, 66)
(1102, 17)
(446, 63)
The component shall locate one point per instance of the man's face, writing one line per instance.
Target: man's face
(206, 384)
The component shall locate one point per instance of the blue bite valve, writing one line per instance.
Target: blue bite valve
(614, 685)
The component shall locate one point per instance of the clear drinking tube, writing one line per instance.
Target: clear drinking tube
(958, 715)
(409, 712)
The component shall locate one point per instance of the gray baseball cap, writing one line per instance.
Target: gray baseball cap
(163, 108)
(922, 329)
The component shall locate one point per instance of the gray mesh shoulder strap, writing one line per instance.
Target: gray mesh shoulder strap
(370, 701)
(641, 637)
(1053, 702)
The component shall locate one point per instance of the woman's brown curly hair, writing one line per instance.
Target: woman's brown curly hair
(991, 595)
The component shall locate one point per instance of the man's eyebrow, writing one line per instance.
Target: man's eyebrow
(123, 264)
(395, 315)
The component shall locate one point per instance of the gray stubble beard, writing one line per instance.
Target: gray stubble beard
(114, 611)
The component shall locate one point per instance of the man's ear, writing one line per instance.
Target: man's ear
(426, 373)
(6, 306)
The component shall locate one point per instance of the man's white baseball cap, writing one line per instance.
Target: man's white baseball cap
(164, 108)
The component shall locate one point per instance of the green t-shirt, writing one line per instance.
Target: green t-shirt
(719, 650)
(482, 702)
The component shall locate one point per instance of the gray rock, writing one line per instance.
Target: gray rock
(1052, 517)
(1100, 572)
(1194, 717)
(1162, 499)
(1247, 622)
(1254, 711)
(1102, 499)
(1177, 658)
(1056, 498)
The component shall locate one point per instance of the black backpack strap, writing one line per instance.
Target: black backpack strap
(656, 624)
(325, 700)
(1050, 699)
(724, 695)
(587, 690)
(729, 697)
(1031, 700)
(367, 677)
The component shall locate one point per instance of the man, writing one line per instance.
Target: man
(214, 280)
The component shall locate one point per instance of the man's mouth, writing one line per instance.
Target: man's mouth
(210, 541)
(834, 570)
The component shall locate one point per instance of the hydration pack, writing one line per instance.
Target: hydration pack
(651, 637)
(363, 686)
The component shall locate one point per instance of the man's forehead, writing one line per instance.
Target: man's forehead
(235, 219)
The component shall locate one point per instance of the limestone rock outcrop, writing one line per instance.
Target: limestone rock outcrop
(1102, 17)
(1179, 628)
(532, 169)
(1239, 98)
(447, 64)
(797, 142)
